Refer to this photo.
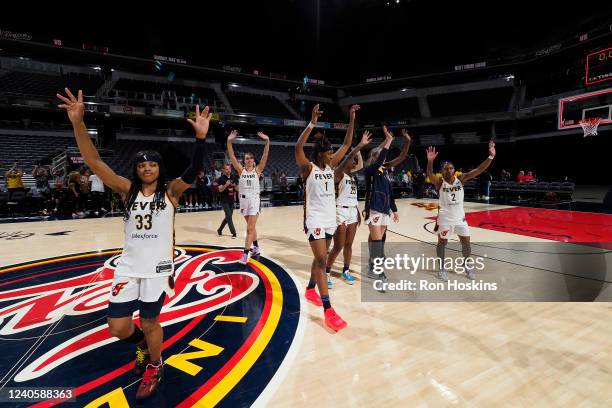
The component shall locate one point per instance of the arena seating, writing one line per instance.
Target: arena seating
(28, 83)
(257, 104)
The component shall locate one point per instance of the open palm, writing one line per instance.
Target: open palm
(73, 105)
(431, 153)
(201, 122)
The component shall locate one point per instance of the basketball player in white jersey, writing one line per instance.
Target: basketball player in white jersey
(320, 209)
(144, 273)
(451, 216)
(347, 215)
(249, 190)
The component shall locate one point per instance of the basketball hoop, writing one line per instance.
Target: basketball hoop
(589, 125)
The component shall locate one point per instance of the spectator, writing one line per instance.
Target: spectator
(74, 180)
(520, 177)
(201, 189)
(283, 187)
(485, 185)
(84, 188)
(97, 194)
(529, 178)
(58, 189)
(41, 191)
(14, 182)
(214, 188)
(299, 184)
(505, 175)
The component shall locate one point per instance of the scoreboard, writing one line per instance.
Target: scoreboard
(599, 66)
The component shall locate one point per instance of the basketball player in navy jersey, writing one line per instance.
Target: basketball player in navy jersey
(249, 190)
(451, 217)
(144, 273)
(379, 202)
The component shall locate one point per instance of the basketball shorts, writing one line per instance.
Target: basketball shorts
(346, 216)
(249, 205)
(147, 295)
(377, 218)
(314, 234)
(445, 231)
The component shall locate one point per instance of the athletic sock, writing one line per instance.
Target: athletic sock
(136, 337)
(255, 243)
(345, 268)
(328, 270)
(246, 250)
(326, 302)
(311, 284)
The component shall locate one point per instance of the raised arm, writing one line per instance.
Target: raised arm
(201, 124)
(482, 167)
(264, 157)
(230, 151)
(395, 162)
(300, 157)
(76, 111)
(341, 169)
(431, 156)
(348, 138)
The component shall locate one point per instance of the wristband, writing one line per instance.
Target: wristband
(491, 157)
(311, 125)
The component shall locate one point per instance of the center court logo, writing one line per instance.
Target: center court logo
(227, 329)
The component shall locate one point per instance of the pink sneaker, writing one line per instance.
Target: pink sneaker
(244, 259)
(333, 320)
(255, 251)
(313, 296)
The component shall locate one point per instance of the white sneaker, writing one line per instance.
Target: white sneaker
(244, 258)
(443, 275)
(255, 251)
(471, 274)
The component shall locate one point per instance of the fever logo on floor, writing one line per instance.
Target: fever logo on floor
(227, 329)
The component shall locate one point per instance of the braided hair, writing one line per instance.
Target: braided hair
(159, 198)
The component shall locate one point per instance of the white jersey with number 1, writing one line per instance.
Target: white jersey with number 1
(320, 199)
(148, 251)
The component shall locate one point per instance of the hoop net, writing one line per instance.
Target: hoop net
(589, 126)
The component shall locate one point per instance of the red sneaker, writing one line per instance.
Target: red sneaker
(333, 321)
(150, 381)
(313, 296)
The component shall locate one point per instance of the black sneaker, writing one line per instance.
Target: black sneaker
(234, 236)
(142, 359)
(219, 233)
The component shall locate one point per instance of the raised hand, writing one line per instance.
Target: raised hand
(406, 135)
(366, 138)
(232, 135)
(388, 133)
(316, 114)
(395, 217)
(492, 148)
(263, 136)
(431, 153)
(73, 106)
(201, 122)
(352, 111)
